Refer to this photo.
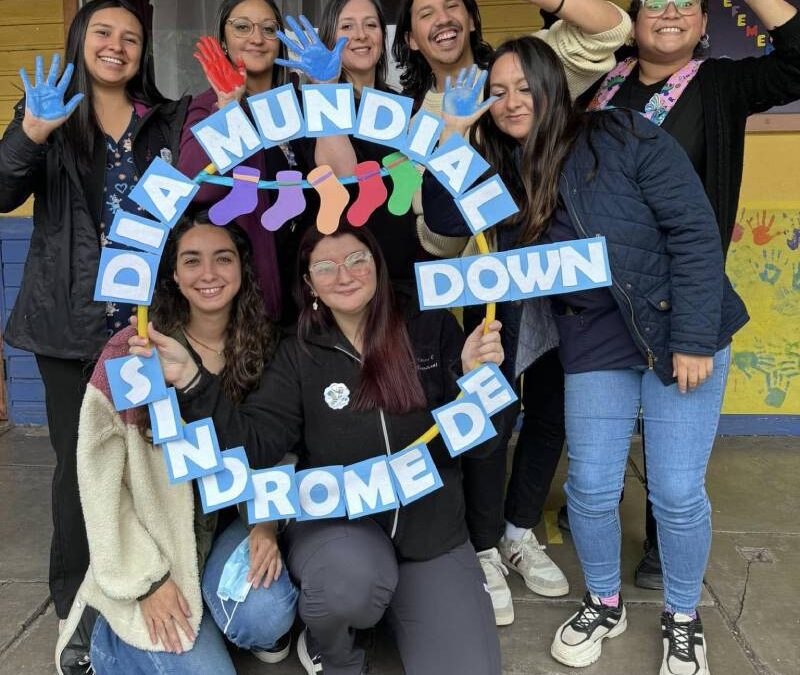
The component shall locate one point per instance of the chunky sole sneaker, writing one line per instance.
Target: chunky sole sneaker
(528, 559)
(495, 572)
(684, 645)
(579, 640)
(311, 662)
(278, 653)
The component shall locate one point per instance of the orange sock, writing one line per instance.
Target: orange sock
(333, 197)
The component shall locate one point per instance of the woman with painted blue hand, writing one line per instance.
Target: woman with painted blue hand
(360, 26)
(359, 380)
(706, 111)
(169, 581)
(78, 145)
(658, 338)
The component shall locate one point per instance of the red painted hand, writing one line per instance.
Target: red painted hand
(220, 72)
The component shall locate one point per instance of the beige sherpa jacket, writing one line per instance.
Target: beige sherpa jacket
(139, 526)
(585, 58)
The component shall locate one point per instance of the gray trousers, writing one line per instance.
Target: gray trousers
(438, 610)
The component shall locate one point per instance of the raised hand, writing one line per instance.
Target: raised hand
(227, 82)
(45, 109)
(463, 99)
(315, 59)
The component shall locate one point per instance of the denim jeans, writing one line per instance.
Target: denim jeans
(111, 656)
(257, 623)
(601, 408)
(264, 616)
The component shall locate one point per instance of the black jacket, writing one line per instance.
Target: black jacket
(663, 244)
(731, 91)
(290, 405)
(55, 314)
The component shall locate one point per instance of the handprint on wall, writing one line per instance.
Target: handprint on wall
(776, 369)
(770, 267)
(762, 232)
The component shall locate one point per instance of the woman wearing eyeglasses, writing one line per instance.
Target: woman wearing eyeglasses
(704, 105)
(359, 380)
(247, 33)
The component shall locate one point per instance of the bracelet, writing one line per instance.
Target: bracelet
(191, 383)
(559, 8)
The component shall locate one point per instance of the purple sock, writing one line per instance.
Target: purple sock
(290, 202)
(242, 198)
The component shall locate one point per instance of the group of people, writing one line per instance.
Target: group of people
(253, 328)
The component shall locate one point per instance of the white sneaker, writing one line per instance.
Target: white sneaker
(527, 557)
(579, 640)
(684, 646)
(495, 572)
(278, 653)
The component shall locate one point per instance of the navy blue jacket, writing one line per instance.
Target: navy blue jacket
(664, 245)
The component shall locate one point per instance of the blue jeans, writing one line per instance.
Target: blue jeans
(601, 409)
(208, 656)
(266, 613)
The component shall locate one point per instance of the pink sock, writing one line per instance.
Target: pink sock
(610, 601)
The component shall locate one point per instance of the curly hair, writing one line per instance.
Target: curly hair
(417, 76)
(251, 337)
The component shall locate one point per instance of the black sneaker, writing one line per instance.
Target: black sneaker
(563, 518)
(73, 644)
(310, 657)
(684, 645)
(278, 653)
(648, 571)
(579, 640)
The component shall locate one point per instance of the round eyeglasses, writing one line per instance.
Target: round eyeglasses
(243, 28)
(658, 7)
(357, 264)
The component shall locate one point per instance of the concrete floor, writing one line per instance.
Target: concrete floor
(751, 611)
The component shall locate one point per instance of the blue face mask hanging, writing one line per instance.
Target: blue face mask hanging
(233, 584)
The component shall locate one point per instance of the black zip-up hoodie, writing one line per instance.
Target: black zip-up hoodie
(290, 405)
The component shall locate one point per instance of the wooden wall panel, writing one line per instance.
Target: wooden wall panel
(507, 18)
(27, 28)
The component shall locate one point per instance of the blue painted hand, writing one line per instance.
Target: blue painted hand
(315, 59)
(464, 98)
(45, 98)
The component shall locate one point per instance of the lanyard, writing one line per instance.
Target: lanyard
(660, 103)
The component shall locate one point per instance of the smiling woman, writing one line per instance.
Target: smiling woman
(80, 163)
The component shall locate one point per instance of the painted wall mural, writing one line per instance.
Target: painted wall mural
(764, 267)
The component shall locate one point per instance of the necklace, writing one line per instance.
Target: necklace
(218, 352)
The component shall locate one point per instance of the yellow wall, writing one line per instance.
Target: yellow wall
(27, 28)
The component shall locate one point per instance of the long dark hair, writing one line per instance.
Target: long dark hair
(389, 377)
(81, 129)
(223, 13)
(555, 125)
(327, 33)
(417, 76)
(251, 338)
